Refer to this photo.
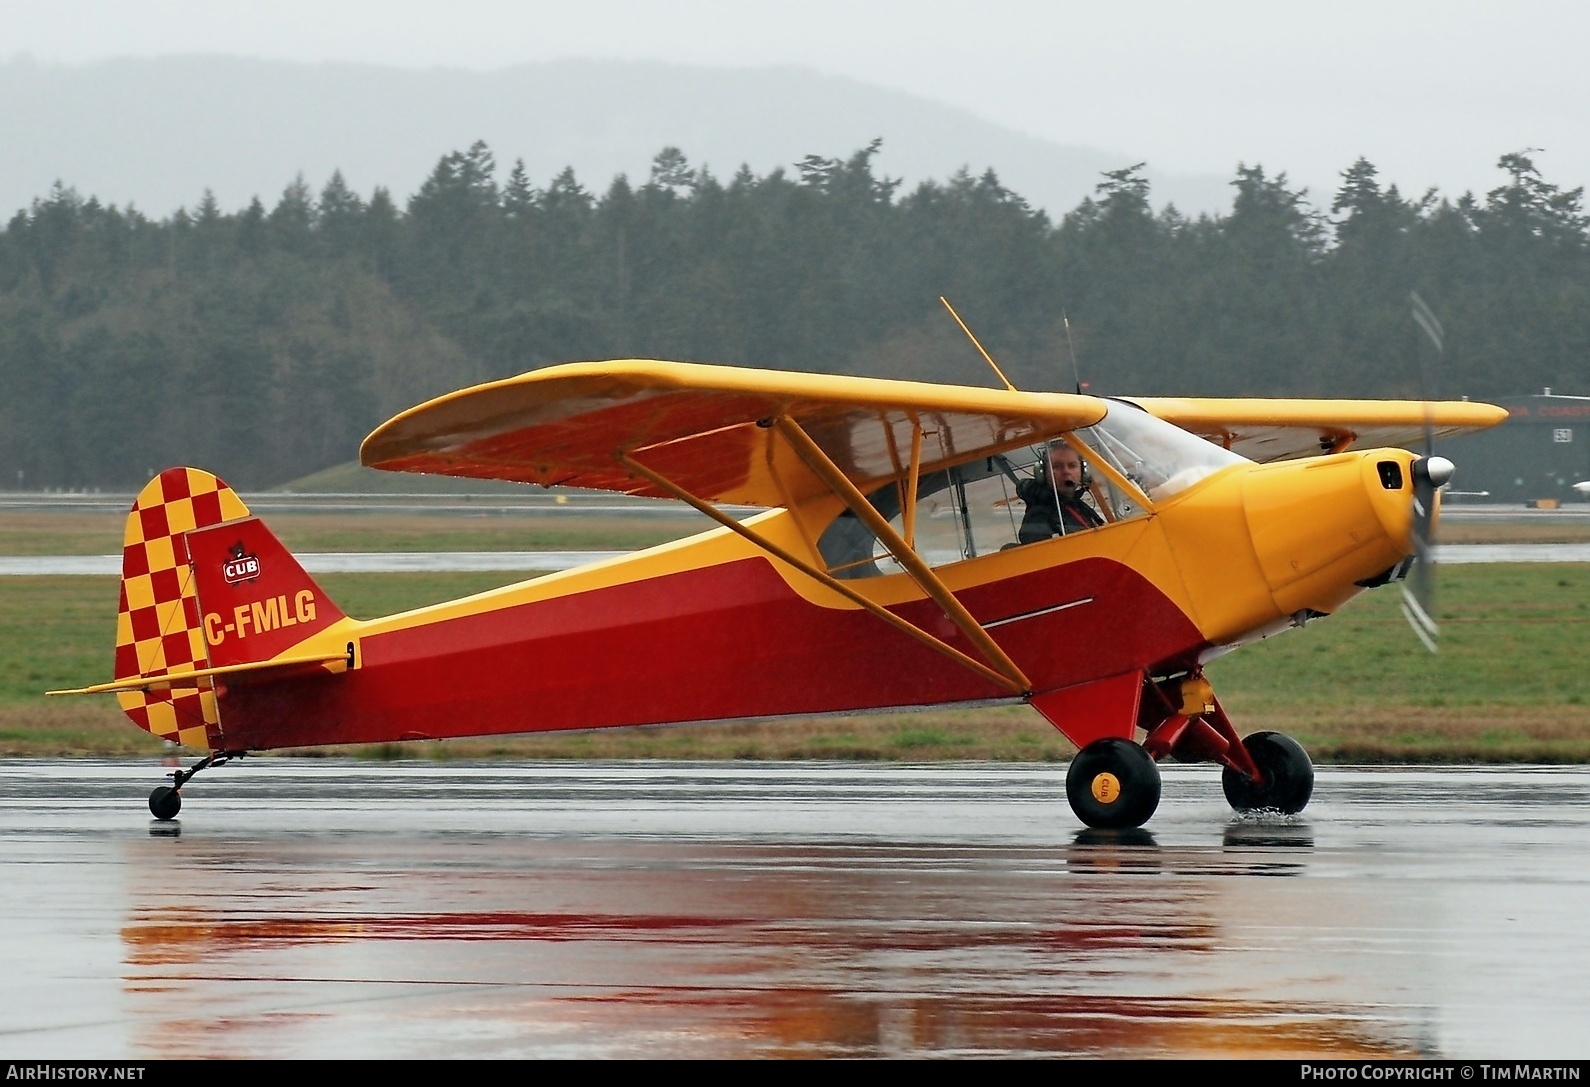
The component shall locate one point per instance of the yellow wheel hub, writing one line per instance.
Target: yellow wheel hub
(1106, 788)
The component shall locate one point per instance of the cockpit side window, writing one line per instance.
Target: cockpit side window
(990, 504)
(1108, 472)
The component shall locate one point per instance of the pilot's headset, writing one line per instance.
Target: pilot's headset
(1048, 449)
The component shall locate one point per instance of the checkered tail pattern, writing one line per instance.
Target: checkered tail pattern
(158, 631)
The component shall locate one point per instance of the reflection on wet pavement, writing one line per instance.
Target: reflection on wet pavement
(787, 910)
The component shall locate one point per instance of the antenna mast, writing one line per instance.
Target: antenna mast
(1072, 351)
(986, 356)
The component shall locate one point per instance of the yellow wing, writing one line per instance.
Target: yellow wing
(707, 428)
(1267, 430)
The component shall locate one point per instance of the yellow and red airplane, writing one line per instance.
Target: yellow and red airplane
(903, 560)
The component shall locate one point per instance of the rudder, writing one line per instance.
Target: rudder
(158, 629)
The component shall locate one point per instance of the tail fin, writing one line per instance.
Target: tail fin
(203, 585)
(256, 601)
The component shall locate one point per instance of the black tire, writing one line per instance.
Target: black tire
(165, 802)
(1113, 784)
(1288, 776)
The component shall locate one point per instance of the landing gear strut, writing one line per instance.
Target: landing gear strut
(166, 800)
(1267, 771)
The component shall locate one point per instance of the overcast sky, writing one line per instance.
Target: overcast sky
(1431, 92)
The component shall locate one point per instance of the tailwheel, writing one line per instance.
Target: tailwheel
(1287, 776)
(165, 802)
(1113, 783)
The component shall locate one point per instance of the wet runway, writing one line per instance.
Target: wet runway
(324, 908)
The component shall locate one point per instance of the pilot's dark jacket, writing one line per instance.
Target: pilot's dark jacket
(1045, 516)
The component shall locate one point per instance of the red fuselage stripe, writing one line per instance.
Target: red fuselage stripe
(720, 642)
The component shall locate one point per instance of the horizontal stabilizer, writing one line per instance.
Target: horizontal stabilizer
(203, 678)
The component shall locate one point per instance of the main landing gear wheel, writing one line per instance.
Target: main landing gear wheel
(1113, 784)
(1288, 776)
(165, 802)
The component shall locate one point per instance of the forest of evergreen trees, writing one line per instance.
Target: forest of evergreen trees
(264, 343)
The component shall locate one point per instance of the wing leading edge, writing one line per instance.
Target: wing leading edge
(709, 428)
(1270, 430)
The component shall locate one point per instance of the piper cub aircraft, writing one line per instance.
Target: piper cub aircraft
(920, 545)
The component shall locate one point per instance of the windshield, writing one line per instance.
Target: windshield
(1159, 458)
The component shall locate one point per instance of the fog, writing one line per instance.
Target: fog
(1432, 93)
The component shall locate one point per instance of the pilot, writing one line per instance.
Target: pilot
(1054, 497)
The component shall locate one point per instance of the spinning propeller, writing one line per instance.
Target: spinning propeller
(1430, 474)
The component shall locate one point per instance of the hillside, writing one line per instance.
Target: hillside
(159, 132)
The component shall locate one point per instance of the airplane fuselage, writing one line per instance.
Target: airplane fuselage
(712, 628)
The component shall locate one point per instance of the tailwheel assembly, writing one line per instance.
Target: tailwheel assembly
(166, 800)
(1286, 776)
(1113, 784)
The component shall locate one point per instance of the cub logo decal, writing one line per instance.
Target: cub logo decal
(239, 565)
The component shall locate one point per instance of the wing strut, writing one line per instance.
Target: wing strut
(911, 481)
(824, 578)
(903, 552)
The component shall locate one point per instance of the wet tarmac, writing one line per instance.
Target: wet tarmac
(306, 908)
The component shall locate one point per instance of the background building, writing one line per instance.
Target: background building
(1539, 453)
